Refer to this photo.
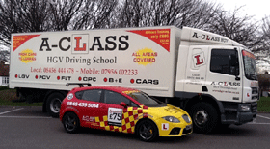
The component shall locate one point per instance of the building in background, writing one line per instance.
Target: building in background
(4, 74)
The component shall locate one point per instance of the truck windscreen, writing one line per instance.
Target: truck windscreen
(249, 65)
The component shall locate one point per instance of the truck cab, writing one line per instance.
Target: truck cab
(217, 84)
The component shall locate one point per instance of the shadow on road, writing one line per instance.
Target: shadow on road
(234, 131)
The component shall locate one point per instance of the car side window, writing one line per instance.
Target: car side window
(91, 95)
(111, 97)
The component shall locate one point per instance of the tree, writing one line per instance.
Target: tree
(264, 46)
(95, 14)
(62, 12)
(4, 55)
(238, 28)
(139, 13)
(19, 16)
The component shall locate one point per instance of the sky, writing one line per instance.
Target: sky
(258, 8)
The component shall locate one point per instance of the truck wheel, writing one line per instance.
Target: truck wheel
(147, 130)
(53, 104)
(71, 122)
(205, 118)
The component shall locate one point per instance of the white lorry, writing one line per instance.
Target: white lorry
(210, 76)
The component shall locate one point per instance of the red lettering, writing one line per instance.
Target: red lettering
(164, 127)
(78, 48)
(199, 61)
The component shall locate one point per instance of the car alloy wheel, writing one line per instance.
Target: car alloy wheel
(147, 130)
(71, 122)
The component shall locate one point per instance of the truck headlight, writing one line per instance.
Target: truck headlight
(244, 108)
(171, 119)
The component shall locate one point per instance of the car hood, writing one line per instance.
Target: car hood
(168, 110)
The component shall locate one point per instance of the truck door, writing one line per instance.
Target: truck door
(196, 68)
(223, 77)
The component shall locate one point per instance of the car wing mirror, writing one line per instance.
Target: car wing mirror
(123, 104)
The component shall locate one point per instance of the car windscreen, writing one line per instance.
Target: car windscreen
(143, 98)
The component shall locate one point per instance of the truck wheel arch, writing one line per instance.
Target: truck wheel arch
(204, 98)
(49, 93)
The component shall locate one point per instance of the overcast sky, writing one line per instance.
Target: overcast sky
(259, 8)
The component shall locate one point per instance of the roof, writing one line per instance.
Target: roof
(112, 88)
(4, 69)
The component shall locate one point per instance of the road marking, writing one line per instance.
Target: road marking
(263, 116)
(258, 123)
(24, 117)
(4, 112)
(252, 123)
(18, 109)
(11, 111)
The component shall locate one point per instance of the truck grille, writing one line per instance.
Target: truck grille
(254, 90)
(254, 93)
(254, 107)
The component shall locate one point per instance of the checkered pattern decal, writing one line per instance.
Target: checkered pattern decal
(130, 116)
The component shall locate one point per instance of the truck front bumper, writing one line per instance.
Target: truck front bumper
(239, 114)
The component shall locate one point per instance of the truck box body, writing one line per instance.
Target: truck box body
(208, 75)
(139, 58)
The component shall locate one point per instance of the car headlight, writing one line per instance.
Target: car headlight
(186, 118)
(171, 119)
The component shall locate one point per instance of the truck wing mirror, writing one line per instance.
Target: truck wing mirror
(234, 65)
(237, 78)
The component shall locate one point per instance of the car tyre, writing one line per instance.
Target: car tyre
(147, 130)
(71, 123)
(204, 117)
(53, 104)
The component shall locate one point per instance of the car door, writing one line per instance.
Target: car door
(89, 106)
(113, 111)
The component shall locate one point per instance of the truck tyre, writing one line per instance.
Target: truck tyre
(71, 122)
(204, 117)
(53, 104)
(147, 130)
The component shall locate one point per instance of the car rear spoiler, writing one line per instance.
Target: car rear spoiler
(79, 84)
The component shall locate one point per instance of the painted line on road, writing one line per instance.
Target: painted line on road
(18, 109)
(24, 117)
(5, 112)
(258, 123)
(11, 111)
(263, 116)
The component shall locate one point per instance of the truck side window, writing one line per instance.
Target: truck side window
(91, 95)
(224, 61)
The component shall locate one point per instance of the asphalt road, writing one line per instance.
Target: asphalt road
(29, 128)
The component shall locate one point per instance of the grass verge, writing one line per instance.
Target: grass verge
(264, 104)
(7, 96)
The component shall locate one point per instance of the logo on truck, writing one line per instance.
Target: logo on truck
(27, 56)
(80, 43)
(144, 56)
(144, 81)
(198, 59)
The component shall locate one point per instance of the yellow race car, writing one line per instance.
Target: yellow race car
(124, 110)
